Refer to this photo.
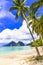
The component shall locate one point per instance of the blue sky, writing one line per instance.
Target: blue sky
(7, 19)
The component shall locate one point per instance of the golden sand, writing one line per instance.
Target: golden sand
(20, 58)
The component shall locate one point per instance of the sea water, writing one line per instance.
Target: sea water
(4, 50)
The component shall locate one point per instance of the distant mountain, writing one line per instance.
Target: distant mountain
(12, 43)
(28, 44)
(21, 43)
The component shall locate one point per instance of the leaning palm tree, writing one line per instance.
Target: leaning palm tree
(38, 27)
(36, 23)
(19, 6)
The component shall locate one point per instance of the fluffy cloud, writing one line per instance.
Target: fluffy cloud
(21, 34)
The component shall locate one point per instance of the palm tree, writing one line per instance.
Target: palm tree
(19, 6)
(38, 27)
(36, 24)
(41, 28)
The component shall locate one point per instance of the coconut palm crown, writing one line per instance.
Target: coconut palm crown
(19, 6)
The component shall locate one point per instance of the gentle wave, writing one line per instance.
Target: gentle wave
(13, 49)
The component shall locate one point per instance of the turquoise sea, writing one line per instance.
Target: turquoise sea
(4, 50)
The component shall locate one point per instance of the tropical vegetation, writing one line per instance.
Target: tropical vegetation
(37, 23)
(38, 41)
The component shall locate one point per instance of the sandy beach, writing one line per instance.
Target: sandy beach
(20, 58)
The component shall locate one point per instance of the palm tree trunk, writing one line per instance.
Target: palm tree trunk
(42, 40)
(38, 54)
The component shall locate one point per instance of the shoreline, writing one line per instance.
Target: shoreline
(20, 57)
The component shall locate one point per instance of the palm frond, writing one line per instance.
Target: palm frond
(40, 0)
(41, 17)
(16, 17)
(13, 8)
(32, 15)
(34, 7)
(23, 2)
(26, 7)
(17, 14)
(18, 1)
(30, 23)
(15, 2)
(29, 18)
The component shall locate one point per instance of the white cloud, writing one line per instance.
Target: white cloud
(4, 9)
(5, 13)
(16, 35)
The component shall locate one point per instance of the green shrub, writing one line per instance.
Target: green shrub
(38, 43)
